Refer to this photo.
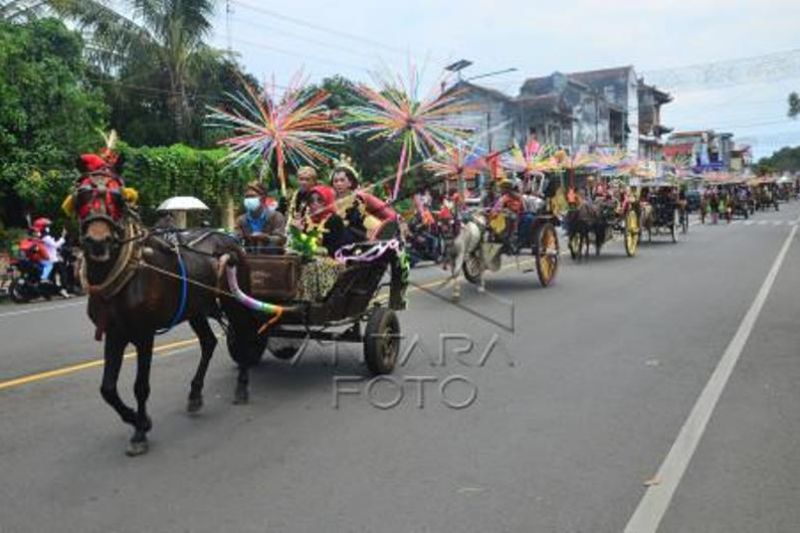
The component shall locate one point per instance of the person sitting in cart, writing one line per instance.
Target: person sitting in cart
(364, 213)
(511, 205)
(261, 227)
(325, 224)
(296, 207)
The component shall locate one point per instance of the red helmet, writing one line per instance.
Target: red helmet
(40, 223)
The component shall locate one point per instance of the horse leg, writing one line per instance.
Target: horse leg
(242, 394)
(113, 350)
(588, 243)
(141, 389)
(457, 265)
(208, 342)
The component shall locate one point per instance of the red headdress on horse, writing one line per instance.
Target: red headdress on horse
(100, 192)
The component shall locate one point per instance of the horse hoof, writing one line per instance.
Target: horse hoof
(137, 448)
(242, 397)
(194, 405)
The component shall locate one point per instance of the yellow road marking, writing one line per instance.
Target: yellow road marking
(83, 366)
(32, 378)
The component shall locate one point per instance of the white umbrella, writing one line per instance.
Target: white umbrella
(785, 179)
(182, 203)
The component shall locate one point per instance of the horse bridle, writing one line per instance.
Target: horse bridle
(99, 195)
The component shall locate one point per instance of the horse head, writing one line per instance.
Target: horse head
(100, 203)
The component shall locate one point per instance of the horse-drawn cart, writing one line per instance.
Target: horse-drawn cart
(605, 220)
(659, 212)
(333, 300)
(534, 232)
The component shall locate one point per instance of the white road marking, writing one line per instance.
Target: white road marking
(749, 222)
(43, 308)
(735, 222)
(763, 222)
(656, 499)
(778, 222)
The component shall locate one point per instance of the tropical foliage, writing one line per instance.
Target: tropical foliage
(49, 114)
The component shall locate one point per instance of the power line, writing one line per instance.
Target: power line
(292, 53)
(317, 27)
(304, 38)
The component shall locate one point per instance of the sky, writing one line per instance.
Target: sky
(729, 64)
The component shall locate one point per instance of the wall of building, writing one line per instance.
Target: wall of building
(591, 125)
(632, 107)
(493, 123)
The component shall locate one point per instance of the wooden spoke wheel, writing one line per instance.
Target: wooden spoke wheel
(473, 267)
(381, 341)
(632, 233)
(547, 254)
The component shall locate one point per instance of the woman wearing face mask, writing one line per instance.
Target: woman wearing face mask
(261, 226)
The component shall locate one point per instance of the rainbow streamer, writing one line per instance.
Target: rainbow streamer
(293, 128)
(248, 301)
(394, 111)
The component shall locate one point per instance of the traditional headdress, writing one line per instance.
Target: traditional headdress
(345, 163)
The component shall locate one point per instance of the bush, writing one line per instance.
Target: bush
(159, 173)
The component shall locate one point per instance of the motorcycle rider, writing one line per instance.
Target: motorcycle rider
(52, 247)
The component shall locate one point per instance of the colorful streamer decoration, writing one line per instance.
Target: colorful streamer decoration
(395, 111)
(294, 127)
(562, 160)
(533, 159)
(375, 251)
(609, 161)
(461, 162)
(248, 301)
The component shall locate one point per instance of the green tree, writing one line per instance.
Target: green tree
(784, 160)
(150, 44)
(49, 114)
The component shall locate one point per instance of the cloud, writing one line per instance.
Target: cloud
(535, 37)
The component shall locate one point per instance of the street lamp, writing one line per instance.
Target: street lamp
(458, 66)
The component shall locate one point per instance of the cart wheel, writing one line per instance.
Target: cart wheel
(632, 233)
(473, 267)
(547, 254)
(381, 341)
(283, 349)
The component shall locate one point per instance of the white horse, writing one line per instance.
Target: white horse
(463, 254)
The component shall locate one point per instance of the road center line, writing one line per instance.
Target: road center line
(42, 308)
(86, 365)
(656, 499)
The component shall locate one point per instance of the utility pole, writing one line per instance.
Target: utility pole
(228, 13)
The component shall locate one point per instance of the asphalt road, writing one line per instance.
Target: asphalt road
(581, 390)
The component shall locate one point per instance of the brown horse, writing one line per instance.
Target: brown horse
(141, 282)
(583, 221)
